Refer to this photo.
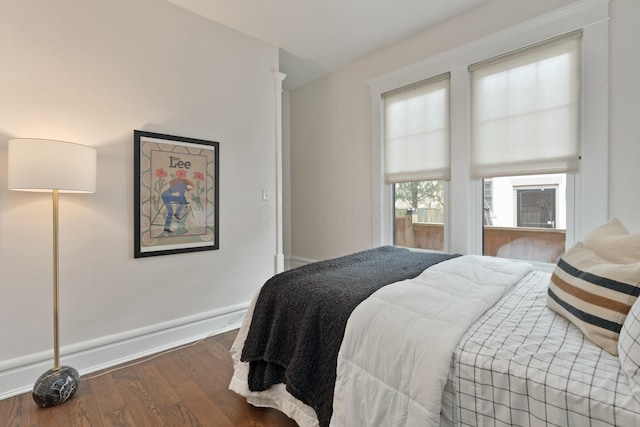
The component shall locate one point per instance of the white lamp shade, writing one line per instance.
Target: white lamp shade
(45, 165)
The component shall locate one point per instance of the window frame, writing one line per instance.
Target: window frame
(463, 213)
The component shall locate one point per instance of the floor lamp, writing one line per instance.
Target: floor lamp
(57, 167)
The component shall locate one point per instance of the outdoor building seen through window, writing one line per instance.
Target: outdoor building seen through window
(525, 217)
(419, 214)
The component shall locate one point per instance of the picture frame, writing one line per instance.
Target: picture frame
(176, 194)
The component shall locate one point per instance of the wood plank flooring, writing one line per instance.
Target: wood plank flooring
(185, 387)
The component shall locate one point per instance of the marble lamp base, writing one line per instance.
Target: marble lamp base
(55, 386)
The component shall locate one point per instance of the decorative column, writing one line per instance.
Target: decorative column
(279, 258)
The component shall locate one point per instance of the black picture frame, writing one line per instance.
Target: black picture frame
(176, 194)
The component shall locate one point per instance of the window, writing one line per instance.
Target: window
(536, 207)
(419, 214)
(529, 218)
(525, 119)
(416, 153)
(494, 145)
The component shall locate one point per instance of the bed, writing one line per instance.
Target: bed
(463, 341)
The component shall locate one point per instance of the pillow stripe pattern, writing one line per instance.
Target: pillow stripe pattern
(599, 281)
(588, 297)
(594, 294)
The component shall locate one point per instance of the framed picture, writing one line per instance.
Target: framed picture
(176, 183)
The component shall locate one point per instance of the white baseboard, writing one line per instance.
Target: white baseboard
(18, 375)
(295, 261)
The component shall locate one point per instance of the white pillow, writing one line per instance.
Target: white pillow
(611, 241)
(629, 348)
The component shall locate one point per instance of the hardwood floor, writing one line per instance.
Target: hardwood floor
(185, 387)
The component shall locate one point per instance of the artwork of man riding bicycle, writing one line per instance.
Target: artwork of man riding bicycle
(176, 194)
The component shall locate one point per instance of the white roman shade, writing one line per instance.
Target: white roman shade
(416, 132)
(525, 110)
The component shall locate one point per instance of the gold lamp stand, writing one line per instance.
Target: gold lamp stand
(59, 383)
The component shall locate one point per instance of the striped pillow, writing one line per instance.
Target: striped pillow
(594, 294)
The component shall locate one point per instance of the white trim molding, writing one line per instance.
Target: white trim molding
(295, 261)
(278, 77)
(18, 375)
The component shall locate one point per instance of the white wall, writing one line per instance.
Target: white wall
(92, 72)
(331, 126)
(624, 113)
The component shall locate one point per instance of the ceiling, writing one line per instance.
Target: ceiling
(319, 36)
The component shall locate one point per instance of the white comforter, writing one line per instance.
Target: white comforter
(397, 348)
